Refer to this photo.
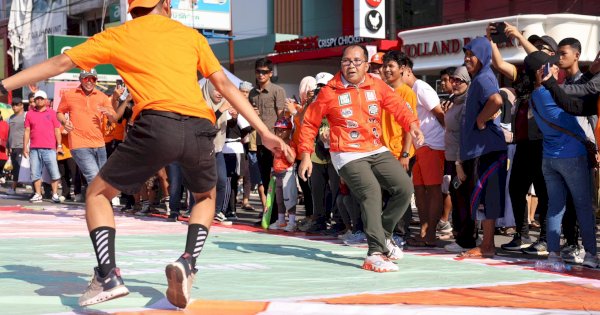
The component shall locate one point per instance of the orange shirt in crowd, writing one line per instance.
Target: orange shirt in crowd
(159, 40)
(280, 162)
(84, 113)
(114, 131)
(391, 131)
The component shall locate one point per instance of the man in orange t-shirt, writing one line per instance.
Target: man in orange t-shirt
(86, 107)
(159, 60)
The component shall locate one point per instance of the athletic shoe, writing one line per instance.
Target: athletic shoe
(358, 237)
(56, 198)
(290, 227)
(454, 248)
(103, 289)
(220, 217)
(277, 225)
(180, 277)
(79, 198)
(116, 201)
(317, 227)
(516, 244)
(36, 198)
(538, 248)
(573, 254)
(231, 216)
(444, 227)
(145, 210)
(305, 225)
(344, 235)
(591, 261)
(11, 191)
(395, 252)
(379, 263)
(399, 240)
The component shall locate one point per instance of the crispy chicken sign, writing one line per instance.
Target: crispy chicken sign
(369, 18)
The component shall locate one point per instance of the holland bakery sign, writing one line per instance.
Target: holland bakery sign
(369, 18)
(440, 47)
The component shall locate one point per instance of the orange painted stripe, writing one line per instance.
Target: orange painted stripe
(204, 307)
(547, 295)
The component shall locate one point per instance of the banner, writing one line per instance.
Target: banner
(30, 29)
(203, 14)
(48, 17)
(59, 88)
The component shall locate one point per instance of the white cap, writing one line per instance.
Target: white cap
(41, 94)
(323, 77)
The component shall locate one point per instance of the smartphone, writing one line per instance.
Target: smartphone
(498, 35)
(119, 82)
(547, 69)
(124, 95)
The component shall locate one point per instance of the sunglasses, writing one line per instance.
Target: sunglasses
(457, 80)
(89, 79)
(263, 72)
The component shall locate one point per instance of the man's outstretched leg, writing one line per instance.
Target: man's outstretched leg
(106, 283)
(181, 273)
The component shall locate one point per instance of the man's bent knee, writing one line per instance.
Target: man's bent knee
(100, 187)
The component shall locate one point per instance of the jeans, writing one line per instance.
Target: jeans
(221, 182)
(90, 161)
(43, 157)
(572, 175)
(175, 179)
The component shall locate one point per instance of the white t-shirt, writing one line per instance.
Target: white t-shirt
(235, 145)
(427, 100)
(339, 159)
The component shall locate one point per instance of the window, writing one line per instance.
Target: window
(418, 13)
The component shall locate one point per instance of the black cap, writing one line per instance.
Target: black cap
(546, 39)
(537, 59)
(17, 100)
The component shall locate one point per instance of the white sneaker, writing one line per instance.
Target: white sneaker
(79, 198)
(116, 201)
(277, 226)
(11, 191)
(356, 238)
(379, 263)
(573, 254)
(36, 198)
(454, 248)
(55, 198)
(591, 261)
(395, 252)
(344, 235)
(290, 227)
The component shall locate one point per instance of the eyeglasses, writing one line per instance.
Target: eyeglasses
(263, 72)
(355, 62)
(89, 79)
(457, 80)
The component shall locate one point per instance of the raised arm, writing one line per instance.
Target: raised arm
(47, 69)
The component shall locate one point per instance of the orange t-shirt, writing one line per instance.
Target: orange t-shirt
(114, 131)
(84, 113)
(158, 59)
(392, 133)
(280, 162)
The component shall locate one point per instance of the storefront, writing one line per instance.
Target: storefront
(435, 48)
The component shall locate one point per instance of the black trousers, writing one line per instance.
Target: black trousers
(527, 170)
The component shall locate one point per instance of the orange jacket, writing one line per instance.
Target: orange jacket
(354, 115)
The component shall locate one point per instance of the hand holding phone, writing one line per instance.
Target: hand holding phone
(547, 69)
(498, 36)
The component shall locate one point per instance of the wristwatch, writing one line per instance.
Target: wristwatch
(404, 154)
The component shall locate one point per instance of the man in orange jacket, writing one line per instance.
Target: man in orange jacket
(352, 102)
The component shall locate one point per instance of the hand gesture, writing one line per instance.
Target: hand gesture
(417, 134)
(446, 105)
(404, 162)
(489, 30)
(512, 32)
(69, 126)
(118, 92)
(305, 170)
(290, 105)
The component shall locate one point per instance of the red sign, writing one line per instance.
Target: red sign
(374, 3)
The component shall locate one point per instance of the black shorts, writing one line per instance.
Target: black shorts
(157, 139)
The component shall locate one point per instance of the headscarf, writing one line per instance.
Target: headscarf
(307, 84)
(245, 86)
(221, 123)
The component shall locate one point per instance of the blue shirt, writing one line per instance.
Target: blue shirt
(556, 144)
(474, 142)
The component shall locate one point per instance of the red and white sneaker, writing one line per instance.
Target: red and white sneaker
(379, 263)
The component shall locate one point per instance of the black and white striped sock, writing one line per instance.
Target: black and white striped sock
(196, 237)
(103, 239)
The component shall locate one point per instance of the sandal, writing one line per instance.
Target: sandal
(476, 253)
(413, 242)
(247, 207)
